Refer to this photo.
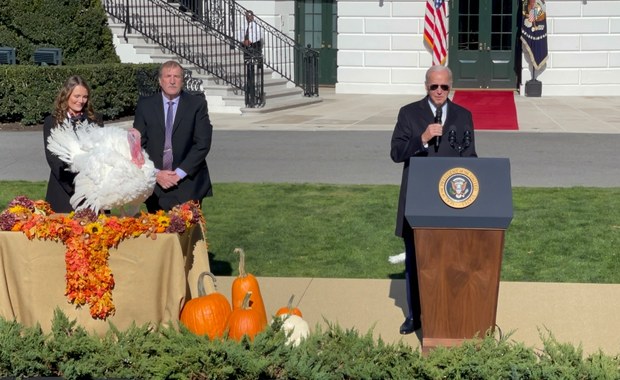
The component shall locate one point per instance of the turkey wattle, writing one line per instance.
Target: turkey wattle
(113, 171)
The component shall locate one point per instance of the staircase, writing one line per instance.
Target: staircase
(220, 68)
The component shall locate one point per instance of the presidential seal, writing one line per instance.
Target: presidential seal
(458, 187)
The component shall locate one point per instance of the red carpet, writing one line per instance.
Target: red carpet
(492, 110)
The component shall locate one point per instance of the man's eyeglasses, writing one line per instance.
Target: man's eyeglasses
(444, 87)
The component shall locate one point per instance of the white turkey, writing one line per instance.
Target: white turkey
(113, 171)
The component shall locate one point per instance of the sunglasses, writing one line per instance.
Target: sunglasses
(444, 87)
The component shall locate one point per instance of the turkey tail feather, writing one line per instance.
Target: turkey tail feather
(64, 143)
(108, 175)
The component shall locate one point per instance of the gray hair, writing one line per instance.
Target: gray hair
(438, 68)
(169, 65)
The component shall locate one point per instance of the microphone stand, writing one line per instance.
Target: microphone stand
(460, 148)
(452, 139)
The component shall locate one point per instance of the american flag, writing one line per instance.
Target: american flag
(436, 30)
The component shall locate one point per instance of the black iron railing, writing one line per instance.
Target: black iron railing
(205, 33)
(280, 52)
(148, 82)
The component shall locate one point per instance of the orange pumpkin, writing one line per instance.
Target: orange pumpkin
(245, 283)
(208, 313)
(289, 309)
(244, 321)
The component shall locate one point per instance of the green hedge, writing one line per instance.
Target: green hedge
(27, 93)
(78, 27)
(142, 353)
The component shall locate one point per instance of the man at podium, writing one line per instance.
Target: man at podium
(431, 127)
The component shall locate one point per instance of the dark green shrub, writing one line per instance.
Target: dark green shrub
(27, 93)
(143, 353)
(78, 27)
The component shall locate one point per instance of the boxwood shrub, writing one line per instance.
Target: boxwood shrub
(27, 92)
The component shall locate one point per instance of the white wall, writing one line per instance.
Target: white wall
(381, 48)
(280, 14)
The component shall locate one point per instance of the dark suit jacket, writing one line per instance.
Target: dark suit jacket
(60, 185)
(191, 141)
(407, 142)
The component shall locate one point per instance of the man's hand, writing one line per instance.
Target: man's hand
(167, 179)
(431, 131)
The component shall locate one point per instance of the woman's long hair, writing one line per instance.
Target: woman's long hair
(61, 104)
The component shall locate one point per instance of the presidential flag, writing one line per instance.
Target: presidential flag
(534, 31)
(436, 30)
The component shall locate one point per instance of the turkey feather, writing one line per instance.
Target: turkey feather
(108, 173)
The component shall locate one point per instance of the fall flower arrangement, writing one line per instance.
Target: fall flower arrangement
(88, 238)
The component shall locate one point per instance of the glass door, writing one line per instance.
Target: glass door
(482, 38)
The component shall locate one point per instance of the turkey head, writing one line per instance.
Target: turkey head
(135, 146)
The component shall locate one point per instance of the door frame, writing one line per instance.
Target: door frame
(485, 57)
(328, 48)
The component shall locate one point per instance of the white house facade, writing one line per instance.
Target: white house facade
(377, 46)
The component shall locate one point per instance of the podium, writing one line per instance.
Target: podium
(459, 209)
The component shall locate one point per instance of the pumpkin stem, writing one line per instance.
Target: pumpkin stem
(290, 303)
(201, 284)
(241, 253)
(245, 305)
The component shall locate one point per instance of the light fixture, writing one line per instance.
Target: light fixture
(48, 56)
(7, 55)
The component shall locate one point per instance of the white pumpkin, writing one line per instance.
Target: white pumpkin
(297, 327)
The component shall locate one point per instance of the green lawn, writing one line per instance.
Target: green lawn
(310, 230)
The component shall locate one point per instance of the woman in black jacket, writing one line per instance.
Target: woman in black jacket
(72, 104)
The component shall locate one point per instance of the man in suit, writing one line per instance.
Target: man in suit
(176, 133)
(420, 131)
(251, 36)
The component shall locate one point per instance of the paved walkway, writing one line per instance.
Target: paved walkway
(352, 112)
(584, 314)
(378, 112)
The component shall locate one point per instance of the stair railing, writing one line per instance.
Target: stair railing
(280, 52)
(205, 37)
(179, 33)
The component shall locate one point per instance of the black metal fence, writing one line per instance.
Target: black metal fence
(148, 82)
(280, 52)
(206, 33)
(310, 67)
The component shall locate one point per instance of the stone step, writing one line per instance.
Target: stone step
(281, 105)
(280, 93)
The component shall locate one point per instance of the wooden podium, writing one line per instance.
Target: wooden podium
(459, 209)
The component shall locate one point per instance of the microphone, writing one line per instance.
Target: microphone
(438, 121)
(466, 139)
(452, 136)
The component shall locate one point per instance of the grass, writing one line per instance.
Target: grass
(310, 230)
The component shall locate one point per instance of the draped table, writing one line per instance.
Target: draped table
(153, 280)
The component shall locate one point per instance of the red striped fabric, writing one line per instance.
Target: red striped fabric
(436, 30)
